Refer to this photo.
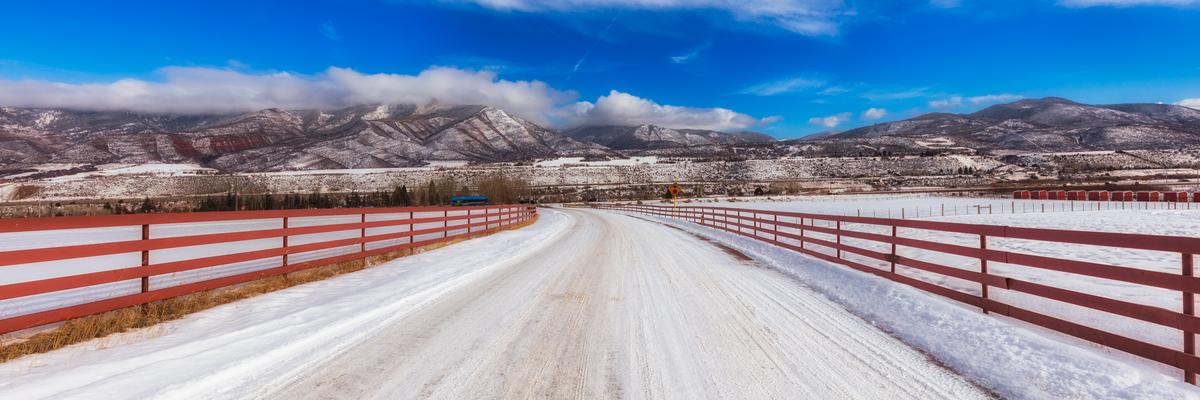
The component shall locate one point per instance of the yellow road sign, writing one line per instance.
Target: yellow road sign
(675, 190)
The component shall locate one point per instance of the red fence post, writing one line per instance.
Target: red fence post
(469, 220)
(146, 259)
(285, 243)
(802, 233)
(983, 264)
(362, 234)
(775, 228)
(893, 259)
(839, 239)
(445, 223)
(1189, 308)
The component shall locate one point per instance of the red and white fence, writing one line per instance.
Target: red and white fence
(1104, 195)
(54, 269)
(1047, 290)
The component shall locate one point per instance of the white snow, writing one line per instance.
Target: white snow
(237, 349)
(156, 169)
(583, 304)
(68, 237)
(1016, 360)
(578, 161)
(925, 206)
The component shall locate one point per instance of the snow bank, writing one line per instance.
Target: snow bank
(571, 161)
(1016, 361)
(256, 345)
(926, 206)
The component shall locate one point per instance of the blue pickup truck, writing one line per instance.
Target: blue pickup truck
(468, 200)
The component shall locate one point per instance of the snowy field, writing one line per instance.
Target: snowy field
(1176, 222)
(1014, 359)
(54, 269)
(592, 304)
(580, 305)
(578, 161)
(925, 206)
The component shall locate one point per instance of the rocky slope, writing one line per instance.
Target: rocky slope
(273, 139)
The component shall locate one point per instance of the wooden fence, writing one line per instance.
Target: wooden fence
(795, 231)
(54, 269)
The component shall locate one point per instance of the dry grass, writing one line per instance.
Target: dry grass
(145, 315)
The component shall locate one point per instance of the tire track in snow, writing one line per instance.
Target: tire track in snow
(622, 307)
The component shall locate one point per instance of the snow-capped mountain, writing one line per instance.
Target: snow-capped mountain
(652, 136)
(273, 139)
(1048, 124)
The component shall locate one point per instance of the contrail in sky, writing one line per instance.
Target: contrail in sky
(589, 50)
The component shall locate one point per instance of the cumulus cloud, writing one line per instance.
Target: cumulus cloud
(873, 114)
(782, 86)
(197, 90)
(1127, 3)
(1193, 103)
(619, 108)
(831, 121)
(807, 17)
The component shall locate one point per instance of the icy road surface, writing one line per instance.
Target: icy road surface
(584, 304)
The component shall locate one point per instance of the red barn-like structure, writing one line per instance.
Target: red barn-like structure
(1148, 196)
(1077, 195)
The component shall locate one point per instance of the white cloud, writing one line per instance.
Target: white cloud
(993, 98)
(692, 55)
(198, 90)
(873, 114)
(807, 17)
(195, 90)
(831, 121)
(1193, 103)
(782, 86)
(1127, 3)
(897, 95)
(619, 108)
(951, 102)
(959, 101)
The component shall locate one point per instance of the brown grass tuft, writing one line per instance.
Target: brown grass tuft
(145, 315)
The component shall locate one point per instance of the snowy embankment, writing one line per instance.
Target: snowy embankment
(1179, 222)
(254, 344)
(73, 237)
(926, 206)
(1014, 359)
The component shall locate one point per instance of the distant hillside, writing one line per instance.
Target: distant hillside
(1048, 124)
(655, 137)
(357, 137)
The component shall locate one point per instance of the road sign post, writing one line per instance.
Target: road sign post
(675, 190)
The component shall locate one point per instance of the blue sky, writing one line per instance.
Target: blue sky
(786, 67)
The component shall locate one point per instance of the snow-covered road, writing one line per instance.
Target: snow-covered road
(585, 304)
